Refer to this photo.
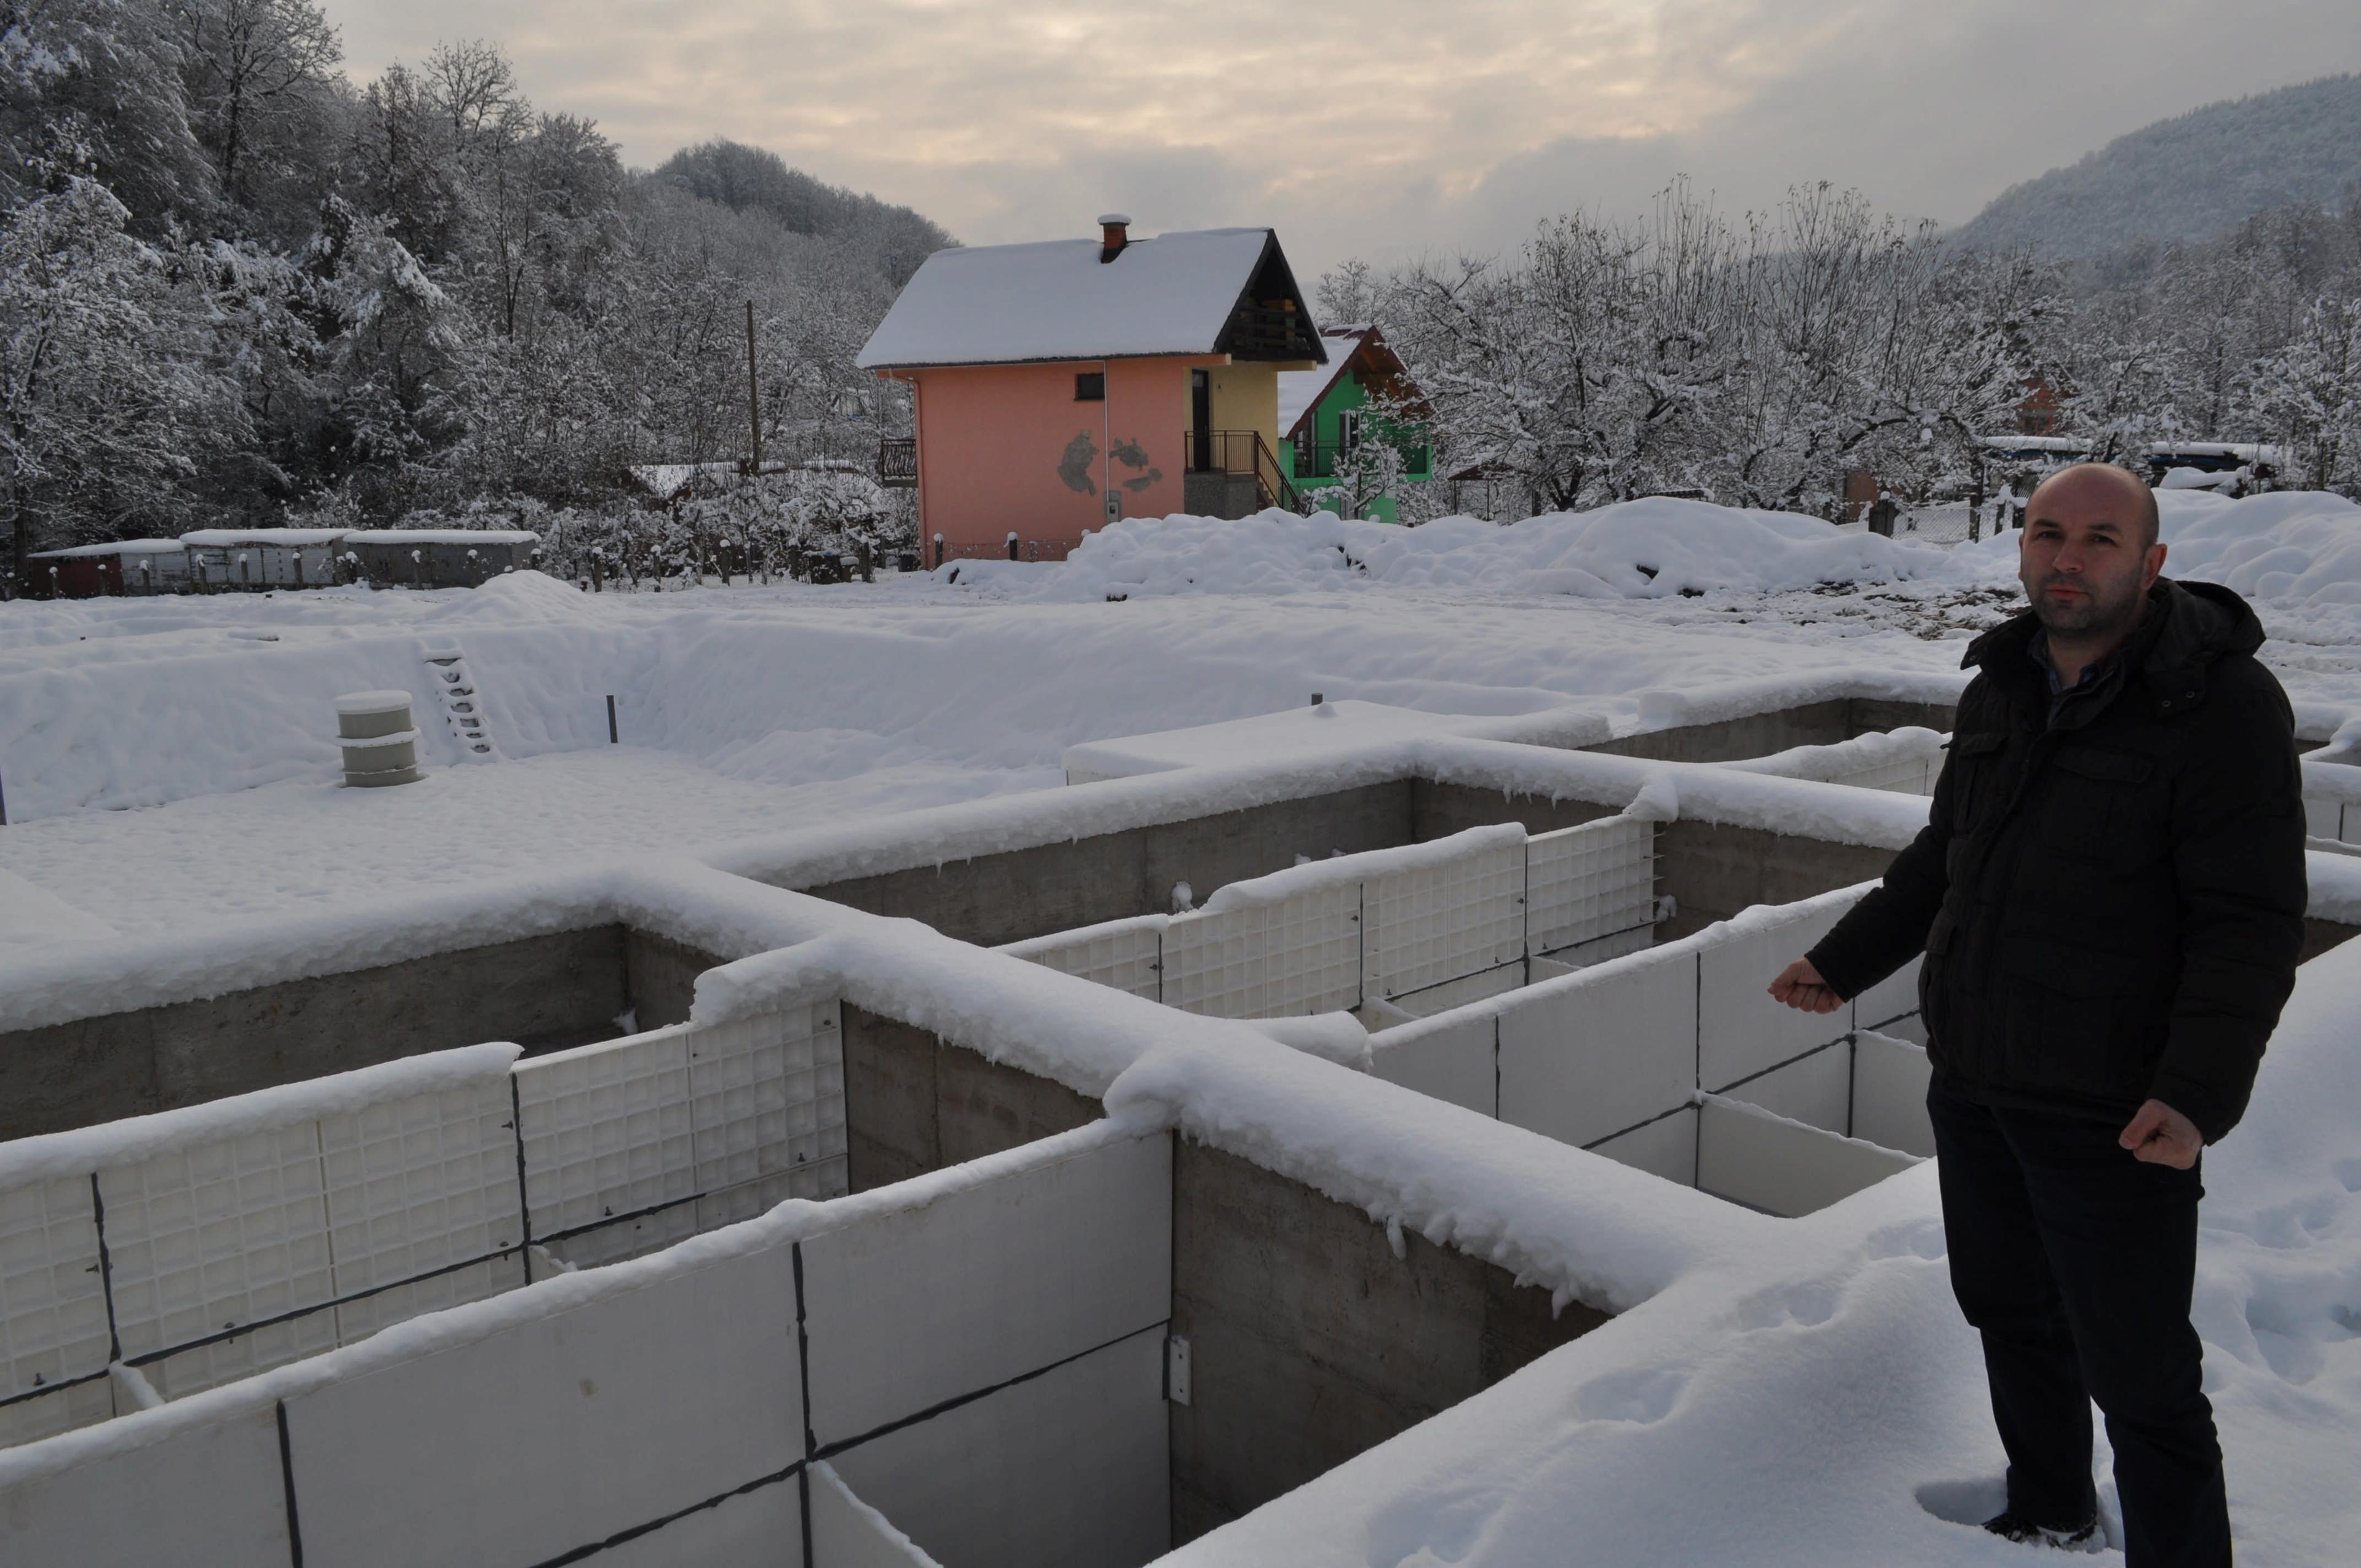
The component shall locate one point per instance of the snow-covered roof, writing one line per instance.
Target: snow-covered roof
(120, 547)
(1055, 300)
(284, 538)
(441, 536)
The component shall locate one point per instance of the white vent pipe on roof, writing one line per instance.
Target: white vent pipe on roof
(379, 743)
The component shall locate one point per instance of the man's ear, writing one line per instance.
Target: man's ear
(2153, 567)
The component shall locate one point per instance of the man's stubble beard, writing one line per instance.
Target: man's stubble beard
(2098, 616)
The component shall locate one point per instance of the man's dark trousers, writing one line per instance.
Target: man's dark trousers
(2076, 1262)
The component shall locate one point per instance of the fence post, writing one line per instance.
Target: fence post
(611, 738)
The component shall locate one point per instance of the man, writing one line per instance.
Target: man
(2110, 896)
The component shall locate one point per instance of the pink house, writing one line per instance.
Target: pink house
(1063, 385)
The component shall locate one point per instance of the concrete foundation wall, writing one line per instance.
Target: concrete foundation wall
(1439, 810)
(1056, 887)
(1713, 871)
(1310, 1341)
(1864, 714)
(1762, 734)
(543, 992)
(913, 1103)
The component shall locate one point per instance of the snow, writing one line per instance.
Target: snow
(358, 703)
(997, 304)
(1303, 734)
(441, 536)
(139, 1138)
(120, 547)
(1318, 876)
(2293, 546)
(290, 538)
(1301, 391)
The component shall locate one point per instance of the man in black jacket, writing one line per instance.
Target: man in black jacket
(2110, 894)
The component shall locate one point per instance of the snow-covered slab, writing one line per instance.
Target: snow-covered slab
(441, 536)
(290, 538)
(120, 547)
(1314, 732)
(998, 304)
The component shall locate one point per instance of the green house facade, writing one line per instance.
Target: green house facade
(1351, 430)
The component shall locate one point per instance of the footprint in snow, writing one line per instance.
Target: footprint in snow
(1807, 1305)
(1922, 1239)
(1641, 1398)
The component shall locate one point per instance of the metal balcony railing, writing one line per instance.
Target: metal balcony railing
(1240, 452)
(1321, 459)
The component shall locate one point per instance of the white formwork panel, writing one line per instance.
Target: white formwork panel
(1454, 994)
(1817, 1089)
(1072, 1467)
(1889, 1094)
(761, 1528)
(1897, 996)
(1434, 923)
(420, 1184)
(210, 1238)
(181, 1373)
(848, 1534)
(819, 1180)
(1585, 1058)
(1598, 950)
(557, 1433)
(635, 1236)
(52, 1301)
(1588, 882)
(1666, 1146)
(1453, 1062)
(766, 1094)
(1906, 776)
(916, 1306)
(1125, 955)
(606, 1130)
(359, 1319)
(1781, 1167)
(59, 1409)
(1280, 959)
(206, 1497)
(1741, 1030)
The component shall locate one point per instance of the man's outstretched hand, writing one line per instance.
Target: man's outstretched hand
(2162, 1136)
(1799, 985)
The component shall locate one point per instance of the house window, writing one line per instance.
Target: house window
(1089, 387)
(1349, 429)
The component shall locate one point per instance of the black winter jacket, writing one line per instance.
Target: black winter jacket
(2111, 905)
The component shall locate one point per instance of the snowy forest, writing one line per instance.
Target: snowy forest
(1759, 360)
(237, 288)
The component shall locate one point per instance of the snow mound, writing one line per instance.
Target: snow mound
(516, 598)
(2290, 546)
(1645, 549)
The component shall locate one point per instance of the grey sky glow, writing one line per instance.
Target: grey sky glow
(1384, 129)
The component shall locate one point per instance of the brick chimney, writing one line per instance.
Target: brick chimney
(1113, 237)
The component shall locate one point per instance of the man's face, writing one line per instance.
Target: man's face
(2083, 558)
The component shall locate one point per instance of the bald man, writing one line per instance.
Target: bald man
(2110, 894)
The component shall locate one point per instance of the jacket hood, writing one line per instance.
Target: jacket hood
(2189, 625)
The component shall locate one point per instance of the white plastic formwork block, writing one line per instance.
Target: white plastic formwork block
(607, 1130)
(420, 1184)
(1897, 996)
(1588, 882)
(1889, 1094)
(1741, 1030)
(1581, 1059)
(359, 1319)
(211, 1238)
(1127, 955)
(819, 1180)
(557, 1433)
(46, 1414)
(1440, 923)
(1815, 1090)
(1072, 1467)
(225, 1360)
(849, 1534)
(1598, 950)
(204, 1496)
(1666, 1146)
(1284, 959)
(633, 1236)
(1782, 1167)
(1452, 1063)
(767, 1095)
(52, 1302)
(1451, 993)
(907, 1308)
(761, 1528)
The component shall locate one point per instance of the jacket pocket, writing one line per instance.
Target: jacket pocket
(2101, 806)
(1975, 766)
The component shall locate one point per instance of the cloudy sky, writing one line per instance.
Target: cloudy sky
(1385, 127)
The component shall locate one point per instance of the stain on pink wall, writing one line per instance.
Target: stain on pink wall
(1006, 449)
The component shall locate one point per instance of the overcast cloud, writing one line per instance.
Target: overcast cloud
(1385, 127)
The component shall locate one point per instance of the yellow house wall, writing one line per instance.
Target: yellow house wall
(1246, 396)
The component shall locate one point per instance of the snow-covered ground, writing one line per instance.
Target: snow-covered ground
(172, 760)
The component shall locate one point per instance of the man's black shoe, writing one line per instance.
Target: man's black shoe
(2011, 1526)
